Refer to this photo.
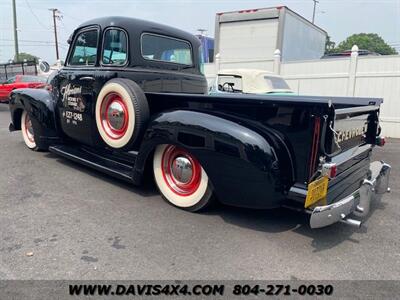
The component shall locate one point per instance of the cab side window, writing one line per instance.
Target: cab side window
(84, 52)
(115, 47)
(166, 49)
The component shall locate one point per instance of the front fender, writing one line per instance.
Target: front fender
(242, 166)
(40, 105)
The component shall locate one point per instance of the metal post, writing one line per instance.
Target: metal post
(351, 87)
(315, 6)
(277, 62)
(15, 30)
(55, 10)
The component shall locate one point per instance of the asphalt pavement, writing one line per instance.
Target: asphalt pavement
(60, 220)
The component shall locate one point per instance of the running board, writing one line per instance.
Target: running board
(96, 161)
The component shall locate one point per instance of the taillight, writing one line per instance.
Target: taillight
(329, 169)
(380, 141)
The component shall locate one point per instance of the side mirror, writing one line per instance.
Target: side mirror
(44, 66)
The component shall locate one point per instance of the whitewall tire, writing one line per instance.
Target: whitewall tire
(181, 179)
(121, 113)
(27, 131)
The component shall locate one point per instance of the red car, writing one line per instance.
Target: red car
(19, 82)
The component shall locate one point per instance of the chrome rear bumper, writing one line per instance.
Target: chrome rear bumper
(357, 203)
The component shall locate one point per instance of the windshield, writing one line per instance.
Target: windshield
(277, 83)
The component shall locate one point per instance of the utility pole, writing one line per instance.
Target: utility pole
(55, 16)
(15, 30)
(313, 14)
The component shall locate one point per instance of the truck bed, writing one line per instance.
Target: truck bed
(339, 102)
(292, 120)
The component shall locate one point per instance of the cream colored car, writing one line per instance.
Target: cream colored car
(250, 81)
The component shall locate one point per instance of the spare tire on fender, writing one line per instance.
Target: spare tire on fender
(122, 113)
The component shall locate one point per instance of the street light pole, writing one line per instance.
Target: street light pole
(15, 30)
(313, 15)
(55, 10)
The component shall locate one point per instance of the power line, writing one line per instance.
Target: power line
(33, 41)
(71, 17)
(36, 17)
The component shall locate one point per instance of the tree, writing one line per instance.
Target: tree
(366, 41)
(22, 56)
(329, 45)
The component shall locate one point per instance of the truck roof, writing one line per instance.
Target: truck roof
(138, 26)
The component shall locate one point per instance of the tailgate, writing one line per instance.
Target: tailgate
(349, 137)
(352, 127)
(341, 134)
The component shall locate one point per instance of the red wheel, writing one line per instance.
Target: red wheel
(180, 178)
(27, 131)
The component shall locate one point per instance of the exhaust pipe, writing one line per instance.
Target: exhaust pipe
(350, 221)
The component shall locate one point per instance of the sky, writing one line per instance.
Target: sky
(340, 18)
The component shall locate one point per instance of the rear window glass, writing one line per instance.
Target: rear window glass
(166, 49)
(85, 49)
(115, 47)
(277, 83)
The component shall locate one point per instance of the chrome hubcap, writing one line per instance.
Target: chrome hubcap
(116, 115)
(182, 169)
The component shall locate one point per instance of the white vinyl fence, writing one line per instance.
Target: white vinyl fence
(363, 76)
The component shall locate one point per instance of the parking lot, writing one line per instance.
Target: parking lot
(59, 220)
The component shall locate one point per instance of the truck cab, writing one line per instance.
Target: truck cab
(157, 58)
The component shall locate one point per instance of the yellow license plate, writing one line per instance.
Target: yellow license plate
(317, 190)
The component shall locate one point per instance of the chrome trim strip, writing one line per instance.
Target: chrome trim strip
(356, 109)
(350, 154)
(297, 190)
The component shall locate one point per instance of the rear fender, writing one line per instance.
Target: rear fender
(39, 104)
(241, 164)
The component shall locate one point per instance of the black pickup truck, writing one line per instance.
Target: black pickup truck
(132, 97)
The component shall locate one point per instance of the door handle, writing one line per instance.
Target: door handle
(87, 78)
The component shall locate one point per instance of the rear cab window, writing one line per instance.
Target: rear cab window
(166, 49)
(115, 47)
(84, 51)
